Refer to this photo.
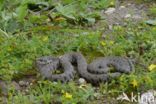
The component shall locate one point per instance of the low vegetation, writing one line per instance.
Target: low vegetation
(34, 28)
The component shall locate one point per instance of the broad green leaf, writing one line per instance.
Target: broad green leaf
(22, 11)
(67, 11)
(91, 20)
(151, 22)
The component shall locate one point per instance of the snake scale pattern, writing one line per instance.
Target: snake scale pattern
(97, 71)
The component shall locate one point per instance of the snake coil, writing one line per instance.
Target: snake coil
(97, 71)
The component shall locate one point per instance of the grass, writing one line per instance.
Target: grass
(48, 92)
(24, 37)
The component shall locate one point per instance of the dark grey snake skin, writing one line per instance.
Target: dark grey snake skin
(96, 72)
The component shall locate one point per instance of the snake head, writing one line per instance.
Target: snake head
(46, 60)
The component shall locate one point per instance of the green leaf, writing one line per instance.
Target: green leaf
(1, 4)
(22, 11)
(91, 20)
(67, 11)
(151, 22)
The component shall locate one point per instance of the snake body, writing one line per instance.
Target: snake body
(96, 72)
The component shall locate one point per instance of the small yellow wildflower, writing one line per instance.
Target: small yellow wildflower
(134, 83)
(67, 95)
(111, 42)
(152, 67)
(45, 38)
(103, 43)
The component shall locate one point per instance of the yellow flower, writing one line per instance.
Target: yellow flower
(67, 95)
(103, 43)
(134, 83)
(45, 38)
(152, 67)
(111, 42)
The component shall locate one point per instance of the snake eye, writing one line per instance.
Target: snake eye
(41, 61)
(100, 67)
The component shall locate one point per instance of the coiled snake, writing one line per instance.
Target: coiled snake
(97, 71)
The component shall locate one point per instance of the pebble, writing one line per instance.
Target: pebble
(127, 16)
(55, 83)
(129, 4)
(110, 11)
(81, 81)
(23, 83)
(110, 27)
(122, 7)
(31, 84)
(137, 17)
